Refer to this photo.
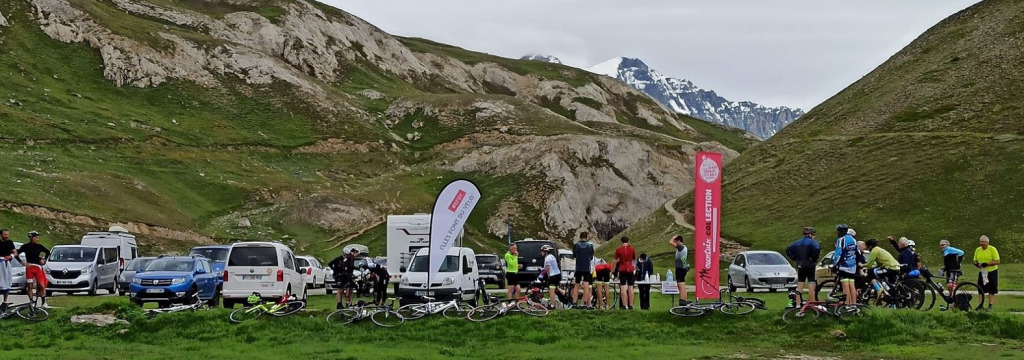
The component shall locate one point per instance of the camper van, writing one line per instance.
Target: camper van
(457, 277)
(118, 237)
(407, 234)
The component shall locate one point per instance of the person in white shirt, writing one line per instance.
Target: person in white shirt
(552, 275)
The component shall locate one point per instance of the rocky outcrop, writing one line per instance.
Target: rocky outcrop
(3, 20)
(140, 229)
(603, 184)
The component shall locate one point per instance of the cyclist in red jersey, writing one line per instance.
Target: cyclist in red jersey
(625, 255)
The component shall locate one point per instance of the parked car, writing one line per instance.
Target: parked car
(124, 281)
(217, 254)
(79, 268)
(457, 278)
(117, 237)
(175, 279)
(267, 268)
(316, 274)
(18, 276)
(761, 270)
(491, 269)
(530, 259)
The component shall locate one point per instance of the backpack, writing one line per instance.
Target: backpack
(962, 302)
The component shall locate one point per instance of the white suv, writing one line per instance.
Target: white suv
(267, 268)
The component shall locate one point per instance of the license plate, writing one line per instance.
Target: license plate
(252, 277)
(424, 293)
(532, 268)
(64, 282)
(154, 291)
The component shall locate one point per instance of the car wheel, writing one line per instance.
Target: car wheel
(113, 288)
(305, 295)
(121, 292)
(732, 288)
(92, 288)
(746, 283)
(329, 291)
(229, 304)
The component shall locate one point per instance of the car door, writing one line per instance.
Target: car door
(823, 271)
(108, 270)
(736, 270)
(207, 284)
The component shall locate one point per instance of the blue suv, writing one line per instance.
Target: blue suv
(217, 254)
(176, 279)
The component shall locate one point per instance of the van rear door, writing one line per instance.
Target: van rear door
(252, 267)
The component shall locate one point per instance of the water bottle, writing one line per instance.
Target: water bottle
(668, 276)
(885, 286)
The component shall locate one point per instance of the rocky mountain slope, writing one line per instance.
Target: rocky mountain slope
(927, 146)
(215, 120)
(683, 97)
(542, 57)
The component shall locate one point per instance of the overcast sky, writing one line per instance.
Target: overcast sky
(773, 52)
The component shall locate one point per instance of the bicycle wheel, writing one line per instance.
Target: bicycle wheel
(916, 293)
(929, 298)
(455, 312)
(290, 308)
(850, 311)
(245, 314)
(533, 309)
(968, 296)
(688, 311)
(800, 316)
(387, 318)
(343, 316)
(413, 311)
(32, 313)
(484, 313)
(737, 308)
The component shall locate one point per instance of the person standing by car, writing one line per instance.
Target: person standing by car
(603, 276)
(845, 260)
(681, 267)
(624, 257)
(583, 251)
(7, 254)
(380, 277)
(35, 276)
(805, 253)
(343, 266)
(644, 269)
(986, 258)
(512, 271)
(552, 275)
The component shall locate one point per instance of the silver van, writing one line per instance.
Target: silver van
(80, 268)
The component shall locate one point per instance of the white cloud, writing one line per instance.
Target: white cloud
(778, 52)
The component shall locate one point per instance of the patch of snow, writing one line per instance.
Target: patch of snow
(609, 67)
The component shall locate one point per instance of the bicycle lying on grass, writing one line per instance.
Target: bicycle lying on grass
(811, 310)
(960, 296)
(196, 304)
(736, 306)
(382, 315)
(28, 311)
(284, 307)
(450, 309)
(497, 308)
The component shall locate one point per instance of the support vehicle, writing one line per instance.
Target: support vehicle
(458, 277)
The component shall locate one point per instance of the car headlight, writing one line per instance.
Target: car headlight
(121, 277)
(448, 281)
(178, 281)
(137, 281)
(19, 273)
(405, 281)
(86, 270)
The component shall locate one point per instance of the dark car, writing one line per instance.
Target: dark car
(492, 271)
(530, 259)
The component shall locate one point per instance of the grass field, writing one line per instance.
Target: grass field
(562, 335)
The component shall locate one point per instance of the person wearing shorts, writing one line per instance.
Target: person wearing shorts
(845, 262)
(35, 258)
(603, 276)
(512, 271)
(583, 252)
(343, 266)
(805, 253)
(552, 275)
(986, 258)
(7, 254)
(682, 267)
(625, 255)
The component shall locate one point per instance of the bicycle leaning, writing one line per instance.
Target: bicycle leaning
(382, 315)
(286, 306)
(957, 295)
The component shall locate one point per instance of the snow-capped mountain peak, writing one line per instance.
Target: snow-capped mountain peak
(542, 57)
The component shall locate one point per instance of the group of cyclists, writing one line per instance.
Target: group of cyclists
(879, 267)
(35, 257)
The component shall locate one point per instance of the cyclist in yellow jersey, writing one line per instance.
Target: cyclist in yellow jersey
(881, 265)
(512, 271)
(986, 258)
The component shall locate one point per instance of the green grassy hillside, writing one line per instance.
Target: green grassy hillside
(927, 146)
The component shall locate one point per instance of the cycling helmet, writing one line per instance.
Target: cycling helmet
(851, 232)
(809, 231)
(842, 229)
(871, 243)
(254, 298)
(547, 248)
(32, 234)
(911, 243)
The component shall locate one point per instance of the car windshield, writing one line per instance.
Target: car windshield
(253, 256)
(214, 254)
(766, 259)
(137, 264)
(302, 263)
(419, 264)
(359, 263)
(486, 259)
(531, 249)
(73, 254)
(183, 265)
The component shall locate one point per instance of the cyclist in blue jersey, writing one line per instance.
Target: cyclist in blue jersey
(951, 258)
(845, 260)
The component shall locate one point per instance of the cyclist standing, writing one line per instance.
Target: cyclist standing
(7, 254)
(882, 266)
(512, 271)
(624, 257)
(805, 253)
(35, 276)
(603, 276)
(343, 266)
(986, 258)
(551, 273)
(583, 251)
(951, 258)
(681, 267)
(845, 260)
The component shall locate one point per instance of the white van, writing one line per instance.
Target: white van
(458, 276)
(117, 237)
(80, 268)
(267, 268)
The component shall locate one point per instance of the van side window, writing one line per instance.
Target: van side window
(110, 255)
(289, 263)
(135, 252)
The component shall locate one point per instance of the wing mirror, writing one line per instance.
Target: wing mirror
(200, 271)
(467, 270)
